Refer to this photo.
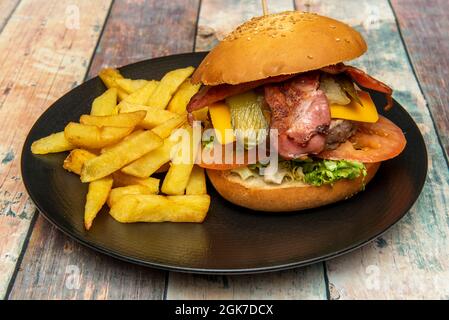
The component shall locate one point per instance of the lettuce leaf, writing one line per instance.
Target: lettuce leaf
(312, 171)
(322, 172)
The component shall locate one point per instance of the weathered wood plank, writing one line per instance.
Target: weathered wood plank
(6, 9)
(411, 260)
(424, 26)
(216, 19)
(134, 31)
(55, 267)
(44, 51)
(301, 283)
(141, 30)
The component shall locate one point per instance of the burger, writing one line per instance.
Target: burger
(287, 73)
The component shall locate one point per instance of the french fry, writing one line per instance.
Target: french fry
(124, 180)
(76, 159)
(109, 77)
(93, 137)
(105, 104)
(134, 133)
(151, 162)
(96, 197)
(154, 116)
(197, 182)
(182, 97)
(130, 119)
(157, 208)
(168, 86)
(130, 85)
(53, 143)
(117, 193)
(120, 155)
(165, 129)
(177, 177)
(142, 95)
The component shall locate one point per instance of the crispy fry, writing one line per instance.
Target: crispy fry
(124, 180)
(141, 95)
(182, 97)
(53, 143)
(93, 137)
(157, 208)
(130, 85)
(117, 193)
(130, 119)
(151, 162)
(154, 116)
(96, 197)
(168, 86)
(109, 77)
(177, 177)
(105, 104)
(120, 155)
(165, 129)
(76, 159)
(197, 182)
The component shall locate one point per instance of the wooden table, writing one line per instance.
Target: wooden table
(48, 47)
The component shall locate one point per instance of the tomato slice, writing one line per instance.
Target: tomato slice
(207, 159)
(373, 142)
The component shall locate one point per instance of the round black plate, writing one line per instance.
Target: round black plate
(232, 239)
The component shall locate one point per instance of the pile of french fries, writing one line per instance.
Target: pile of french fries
(126, 138)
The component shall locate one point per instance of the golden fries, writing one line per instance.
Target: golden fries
(156, 208)
(129, 85)
(96, 197)
(177, 177)
(127, 137)
(124, 180)
(93, 137)
(109, 77)
(197, 182)
(168, 86)
(75, 160)
(151, 162)
(53, 143)
(165, 129)
(105, 104)
(154, 116)
(130, 119)
(120, 155)
(117, 193)
(182, 97)
(141, 95)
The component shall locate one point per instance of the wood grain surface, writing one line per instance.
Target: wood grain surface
(425, 29)
(101, 277)
(218, 18)
(411, 260)
(38, 63)
(7, 7)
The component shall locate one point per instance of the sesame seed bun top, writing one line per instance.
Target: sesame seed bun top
(276, 44)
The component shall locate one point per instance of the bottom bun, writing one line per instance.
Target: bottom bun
(255, 194)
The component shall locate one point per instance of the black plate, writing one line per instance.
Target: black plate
(232, 239)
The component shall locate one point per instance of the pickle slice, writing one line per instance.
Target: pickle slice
(247, 118)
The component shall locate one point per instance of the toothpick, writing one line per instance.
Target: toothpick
(264, 7)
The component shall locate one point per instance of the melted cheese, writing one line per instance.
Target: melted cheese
(221, 121)
(356, 112)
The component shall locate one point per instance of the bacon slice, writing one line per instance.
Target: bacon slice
(210, 94)
(363, 79)
(300, 112)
